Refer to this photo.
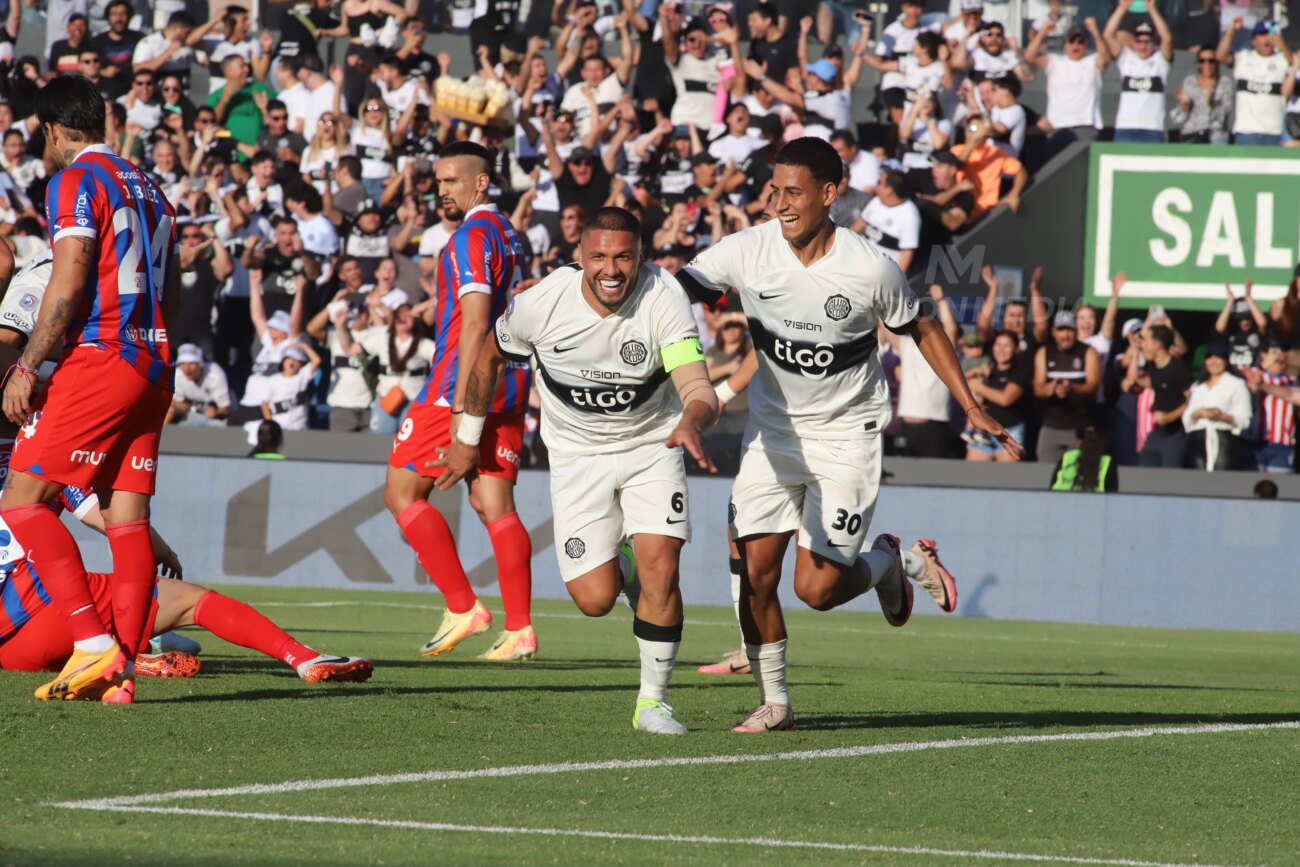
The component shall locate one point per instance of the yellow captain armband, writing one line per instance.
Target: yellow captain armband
(681, 352)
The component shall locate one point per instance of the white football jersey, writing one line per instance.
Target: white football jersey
(893, 228)
(814, 327)
(23, 300)
(1142, 91)
(603, 383)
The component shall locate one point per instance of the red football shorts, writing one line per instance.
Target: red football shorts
(44, 642)
(427, 428)
(95, 426)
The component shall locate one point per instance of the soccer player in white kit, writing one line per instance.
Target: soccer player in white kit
(624, 391)
(811, 456)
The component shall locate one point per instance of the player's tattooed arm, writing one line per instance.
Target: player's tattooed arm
(73, 259)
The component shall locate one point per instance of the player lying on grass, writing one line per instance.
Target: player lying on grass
(624, 391)
(36, 636)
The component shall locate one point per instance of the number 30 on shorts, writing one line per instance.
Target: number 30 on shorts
(845, 521)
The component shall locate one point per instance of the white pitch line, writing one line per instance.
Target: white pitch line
(665, 762)
(764, 842)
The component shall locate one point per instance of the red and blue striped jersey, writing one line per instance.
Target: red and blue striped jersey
(22, 594)
(107, 199)
(484, 255)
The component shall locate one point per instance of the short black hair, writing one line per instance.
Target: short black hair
(897, 182)
(29, 226)
(291, 65)
(845, 136)
(313, 63)
(181, 19)
(1162, 334)
(930, 41)
(352, 164)
(14, 131)
(816, 155)
(74, 103)
(767, 10)
(276, 105)
(469, 149)
(1265, 489)
(613, 219)
(305, 193)
(261, 157)
(110, 6)
(1008, 82)
(232, 11)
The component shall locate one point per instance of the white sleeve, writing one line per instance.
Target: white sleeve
(18, 311)
(674, 318)
(909, 232)
(515, 329)
(220, 388)
(895, 303)
(709, 275)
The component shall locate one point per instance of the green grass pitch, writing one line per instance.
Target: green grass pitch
(1212, 797)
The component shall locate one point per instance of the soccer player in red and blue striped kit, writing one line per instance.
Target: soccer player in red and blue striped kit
(115, 282)
(480, 265)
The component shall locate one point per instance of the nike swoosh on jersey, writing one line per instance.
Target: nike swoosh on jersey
(559, 348)
(836, 544)
(767, 296)
(677, 521)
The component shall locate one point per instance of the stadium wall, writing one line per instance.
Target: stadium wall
(1025, 555)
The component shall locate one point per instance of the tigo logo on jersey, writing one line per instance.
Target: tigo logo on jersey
(812, 362)
(838, 307)
(617, 400)
(633, 352)
(82, 456)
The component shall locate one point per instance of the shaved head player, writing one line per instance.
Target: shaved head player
(114, 283)
(624, 392)
(810, 464)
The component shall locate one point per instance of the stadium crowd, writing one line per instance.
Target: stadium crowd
(311, 227)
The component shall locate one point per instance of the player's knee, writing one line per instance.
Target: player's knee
(819, 597)
(593, 605)
(657, 569)
(397, 500)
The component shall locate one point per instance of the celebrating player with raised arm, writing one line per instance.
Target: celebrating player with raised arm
(811, 458)
(622, 376)
(479, 266)
(113, 286)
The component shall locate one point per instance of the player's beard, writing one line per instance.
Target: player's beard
(451, 211)
(603, 298)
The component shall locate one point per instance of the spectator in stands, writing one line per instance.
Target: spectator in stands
(771, 45)
(897, 41)
(1087, 466)
(1168, 378)
(923, 400)
(168, 52)
(1218, 412)
(275, 333)
(1067, 373)
(864, 166)
(209, 266)
(985, 166)
(1242, 324)
(698, 71)
(1265, 489)
(202, 394)
(1073, 83)
(1276, 395)
(993, 56)
(1264, 83)
(1027, 320)
(1284, 321)
(893, 222)
(944, 201)
(404, 355)
(1203, 111)
(65, 54)
(1144, 73)
(1004, 388)
(849, 204)
(1007, 118)
(923, 132)
(349, 394)
(236, 101)
(116, 45)
(285, 398)
(319, 236)
(268, 442)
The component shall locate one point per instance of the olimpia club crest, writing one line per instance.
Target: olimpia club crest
(575, 548)
(838, 307)
(633, 352)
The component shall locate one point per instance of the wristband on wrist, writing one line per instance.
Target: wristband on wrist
(470, 429)
(726, 394)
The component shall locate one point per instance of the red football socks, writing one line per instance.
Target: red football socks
(238, 623)
(514, 553)
(62, 572)
(428, 534)
(134, 573)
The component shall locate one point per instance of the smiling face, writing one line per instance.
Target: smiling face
(610, 263)
(799, 203)
(1215, 365)
(1004, 349)
(1143, 45)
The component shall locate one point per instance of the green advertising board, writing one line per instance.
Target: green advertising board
(1182, 220)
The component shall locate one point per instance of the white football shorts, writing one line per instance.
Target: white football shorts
(824, 489)
(598, 500)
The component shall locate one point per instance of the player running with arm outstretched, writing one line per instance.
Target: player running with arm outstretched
(624, 392)
(811, 458)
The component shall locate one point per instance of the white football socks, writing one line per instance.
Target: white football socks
(658, 646)
(913, 565)
(768, 664)
(880, 563)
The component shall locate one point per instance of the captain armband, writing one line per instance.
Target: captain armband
(681, 352)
